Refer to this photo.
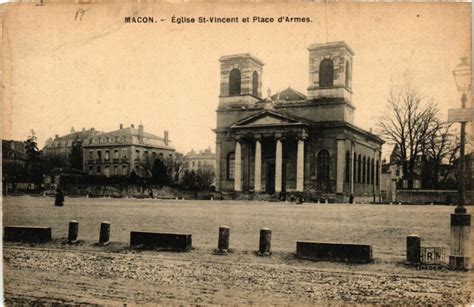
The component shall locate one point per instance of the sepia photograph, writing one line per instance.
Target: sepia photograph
(252, 153)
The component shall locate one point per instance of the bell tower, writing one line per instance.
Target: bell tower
(330, 71)
(241, 80)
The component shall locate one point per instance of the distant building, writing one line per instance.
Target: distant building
(291, 142)
(125, 151)
(13, 163)
(199, 160)
(59, 148)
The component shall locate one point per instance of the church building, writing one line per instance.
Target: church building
(290, 142)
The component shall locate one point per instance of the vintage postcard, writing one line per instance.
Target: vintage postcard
(217, 153)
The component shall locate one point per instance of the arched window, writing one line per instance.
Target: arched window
(230, 166)
(372, 175)
(363, 170)
(377, 172)
(326, 73)
(359, 169)
(348, 75)
(234, 82)
(368, 171)
(323, 165)
(347, 167)
(354, 174)
(255, 84)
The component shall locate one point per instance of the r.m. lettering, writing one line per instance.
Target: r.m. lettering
(140, 19)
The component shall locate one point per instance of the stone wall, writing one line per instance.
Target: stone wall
(445, 197)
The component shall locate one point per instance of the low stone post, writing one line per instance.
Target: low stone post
(104, 236)
(223, 243)
(73, 232)
(460, 240)
(265, 242)
(413, 249)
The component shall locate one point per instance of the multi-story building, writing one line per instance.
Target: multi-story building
(291, 142)
(60, 147)
(125, 151)
(199, 160)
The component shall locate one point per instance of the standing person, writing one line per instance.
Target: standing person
(59, 198)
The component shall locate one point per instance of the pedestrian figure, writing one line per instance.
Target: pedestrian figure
(351, 199)
(59, 199)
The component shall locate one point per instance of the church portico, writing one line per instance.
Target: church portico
(268, 158)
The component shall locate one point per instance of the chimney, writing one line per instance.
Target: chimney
(140, 133)
(56, 136)
(121, 126)
(133, 126)
(83, 129)
(72, 130)
(166, 137)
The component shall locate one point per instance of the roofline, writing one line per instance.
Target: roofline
(240, 55)
(331, 45)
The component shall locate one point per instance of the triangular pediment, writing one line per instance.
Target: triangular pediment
(267, 118)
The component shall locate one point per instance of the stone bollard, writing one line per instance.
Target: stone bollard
(413, 249)
(104, 236)
(73, 232)
(460, 240)
(265, 242)
(326, 201)
(223, 243)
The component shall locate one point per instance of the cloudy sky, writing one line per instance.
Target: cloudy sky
(64, 71)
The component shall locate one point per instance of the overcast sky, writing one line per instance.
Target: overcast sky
(99, 72)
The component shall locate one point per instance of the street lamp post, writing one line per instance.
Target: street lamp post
(460, 220)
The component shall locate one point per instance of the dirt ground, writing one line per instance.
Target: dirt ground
(90, 274)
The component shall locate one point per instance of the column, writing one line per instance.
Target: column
(373, 175)
(278, 165)
(238, 167)
(300, 166)
(379, 171)
(258, 165)
(218, 167)
(341, 155)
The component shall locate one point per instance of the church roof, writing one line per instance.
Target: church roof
(289, 94)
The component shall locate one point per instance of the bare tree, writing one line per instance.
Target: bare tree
(407, 122)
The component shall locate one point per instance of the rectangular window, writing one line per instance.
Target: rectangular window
(99, 155)
(116, 172)
(124, 170)
(230, 166)
(91, 155)
(124, 153)
(137, 154)
(91, 170)
(98, 170)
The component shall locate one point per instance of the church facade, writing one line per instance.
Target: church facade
(291, 142)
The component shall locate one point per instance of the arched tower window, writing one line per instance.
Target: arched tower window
(347, 167)
(323, 167)
(234, 82)
(326, 73)
(255, 84)
(348, 75)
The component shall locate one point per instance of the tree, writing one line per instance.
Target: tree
(200, 180)
(411, 122)
(160, 173)
(32, 163)
(76, 155)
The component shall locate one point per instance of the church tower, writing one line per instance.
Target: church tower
(330, 71)
(241, 80)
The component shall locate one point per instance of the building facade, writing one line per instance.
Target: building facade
(125, 151)
(60, 147)
(204, 159)
(291, 142)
